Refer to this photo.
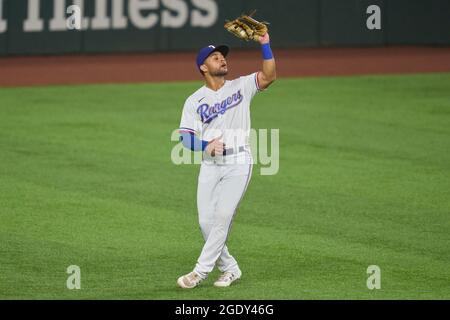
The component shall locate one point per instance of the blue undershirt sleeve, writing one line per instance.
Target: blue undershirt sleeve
(191, 141)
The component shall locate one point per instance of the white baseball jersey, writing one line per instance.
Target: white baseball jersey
(226, 112)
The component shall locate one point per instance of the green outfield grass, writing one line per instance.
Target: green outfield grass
(86, 179)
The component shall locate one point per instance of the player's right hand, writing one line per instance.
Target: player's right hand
(215, 146)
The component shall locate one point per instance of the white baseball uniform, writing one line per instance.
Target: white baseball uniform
(223, 179)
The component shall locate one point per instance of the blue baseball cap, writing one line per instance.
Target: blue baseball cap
(204, 53)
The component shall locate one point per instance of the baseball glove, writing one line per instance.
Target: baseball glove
(247, 28)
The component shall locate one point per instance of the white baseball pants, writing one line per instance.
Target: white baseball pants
(220, 189)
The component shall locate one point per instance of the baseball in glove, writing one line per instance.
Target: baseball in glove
(247, 28)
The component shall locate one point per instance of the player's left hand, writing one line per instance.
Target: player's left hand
(247, 28)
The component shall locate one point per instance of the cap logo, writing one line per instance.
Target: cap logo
(211, 47)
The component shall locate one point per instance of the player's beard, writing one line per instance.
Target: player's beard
(221, 72)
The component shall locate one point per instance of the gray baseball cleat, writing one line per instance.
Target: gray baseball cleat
(189, 281)
(227, 278)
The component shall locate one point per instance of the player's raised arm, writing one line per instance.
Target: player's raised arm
(268, 74)
(248, 28)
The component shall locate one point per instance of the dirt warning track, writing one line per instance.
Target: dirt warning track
(132, 68)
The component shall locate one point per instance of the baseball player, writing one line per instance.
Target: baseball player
(216, 122)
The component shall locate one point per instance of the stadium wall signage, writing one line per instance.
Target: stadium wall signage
(119, 14)
(41, 26)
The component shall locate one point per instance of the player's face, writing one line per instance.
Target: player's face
(217, 65)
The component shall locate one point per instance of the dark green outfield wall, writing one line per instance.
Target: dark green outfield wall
(165, 25)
